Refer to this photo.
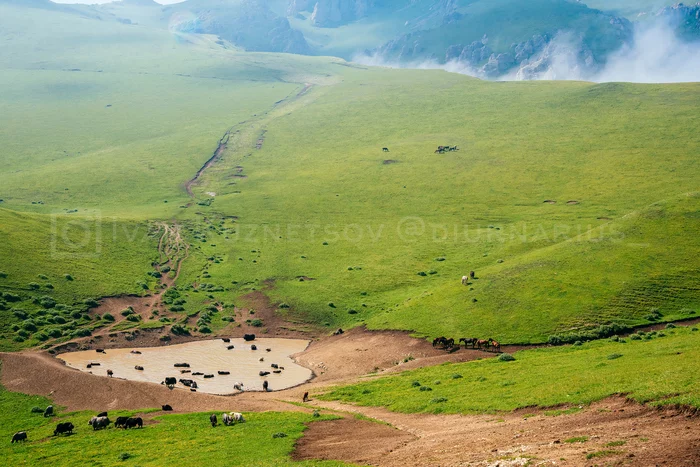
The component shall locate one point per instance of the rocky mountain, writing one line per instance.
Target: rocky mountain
(249, 24)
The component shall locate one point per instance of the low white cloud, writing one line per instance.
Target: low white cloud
(656, 55)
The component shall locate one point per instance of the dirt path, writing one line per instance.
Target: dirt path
(610, 432)
(221, 147)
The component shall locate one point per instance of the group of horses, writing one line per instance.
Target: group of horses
(469, 342)
(444, 149)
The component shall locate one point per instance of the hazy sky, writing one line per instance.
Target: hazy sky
(92, 2)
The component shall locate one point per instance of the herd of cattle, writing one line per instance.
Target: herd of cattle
(469, 342)
(439, 150)
(102, 421)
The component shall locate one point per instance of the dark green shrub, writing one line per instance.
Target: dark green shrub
(415, 384)
(37, 410)
(23, 333)
(422, 273)
(76, 314)
(134, 318)
(47, 302)
(456, 376)
(432, 271)
(425, 388)
(68, 277)
(18, 339)
(34, 285)
(440, 259)
(81, 333)
(3, 274)
(29, 325)
(124, 456)
(62, 320)
(48, 286)
(177, 308)
(256, 323)
(179, 330)
(41, 336)
(127, 311)
(670, 326)
(438, 400)
(91, 303)
(614, 356)
(10, 297)
(279, 435)
(205, 330)
(506, 357)
(42, 277)
(55, 333)
(20, 314)
(331, 304)
(352, 311)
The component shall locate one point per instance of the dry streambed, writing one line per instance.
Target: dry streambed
(214, 365)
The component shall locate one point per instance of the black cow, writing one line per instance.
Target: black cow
(133, 423)
(100, 350)
(268, 350)
(224, 372)
(121, 421)
(253, 347)
(208, 376)
(229, 347)
(265, 384)
(226, 339)
(135, 352)
(182, 365)
(306, 397)
(385, 149)
(65, 427)
(19, 436)
(212, 419)
(194, 386)
(170, 382)
(186, 382)
(274, 365)
(248, 337)
(263, 373)
(166, 408)
(110, 373)
(472, 274)
(102, 414)
(49, 411)
(338, 332)
(138, 367)
(197, 373)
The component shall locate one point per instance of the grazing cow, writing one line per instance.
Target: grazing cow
(224, 372)
(197, 373)
(465, 280)
(138, 367)
(248, 337)
(186, 382)
(238, 387)
(135, 352)
(306, 397)
(110, 373)
(102, 414)
(121, 421)
(132, 422)
(338, 332)
(194, 385)
(265, 386)
(495, 345)
(277, 371)
(385, 149)
(208, 376)
(226, 339)
(262, 359)
(182, 372)
(237, 417)
(274, 365)
(212, 419)
(49, 411)
(230, 347)
(65, 427)
(263, 373)
(182, 365)
(253, 347)
(89, 365)
(482, 344)
(471, 341)
(227, 419)
(100, 350)
(472, 274)
(268, 350)
(19, 436)
(99, 423)
(170, 382)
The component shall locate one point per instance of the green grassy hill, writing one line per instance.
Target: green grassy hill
(304, 190)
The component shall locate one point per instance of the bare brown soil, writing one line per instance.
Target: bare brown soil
(650, 438)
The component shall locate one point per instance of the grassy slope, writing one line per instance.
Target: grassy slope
(593, 371)
(173, 436)
(522, 143)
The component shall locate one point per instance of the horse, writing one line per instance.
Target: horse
(495, 345)
(439, 340)
(468, 341)
(482, 344)
(449, 343)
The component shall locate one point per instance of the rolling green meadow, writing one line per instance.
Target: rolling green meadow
(575, 203)
(188, 436)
